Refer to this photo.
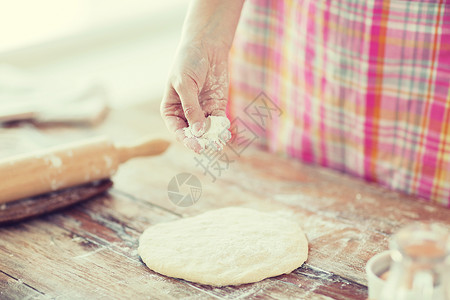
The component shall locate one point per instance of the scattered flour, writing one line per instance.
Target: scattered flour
(216, 133)
(55, 184)
(54, 160)
(108, 161)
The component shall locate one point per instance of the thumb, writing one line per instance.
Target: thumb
(191, 107)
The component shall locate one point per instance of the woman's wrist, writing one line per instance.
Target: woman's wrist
(211, 23)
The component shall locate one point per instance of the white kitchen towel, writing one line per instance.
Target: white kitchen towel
(22, 96)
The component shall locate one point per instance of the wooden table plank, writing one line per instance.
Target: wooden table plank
(347, 220)
(126, 219)
(59, 263)
(337, 246)
(13, 288)
(84, 224)
(329, 192)
(89, 250)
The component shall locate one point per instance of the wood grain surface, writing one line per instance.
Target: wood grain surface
(89, 250)
(22, 209)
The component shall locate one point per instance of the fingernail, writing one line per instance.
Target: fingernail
(198, 129)
(225, 137)
(228, 136)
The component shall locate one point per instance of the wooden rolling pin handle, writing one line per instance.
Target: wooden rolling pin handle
(68, 165)
(141, 148)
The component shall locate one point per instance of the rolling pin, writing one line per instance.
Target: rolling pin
(68, 165)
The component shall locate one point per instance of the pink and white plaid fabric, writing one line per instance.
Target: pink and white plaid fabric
(363, 86)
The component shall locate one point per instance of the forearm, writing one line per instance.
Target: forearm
(212, 21)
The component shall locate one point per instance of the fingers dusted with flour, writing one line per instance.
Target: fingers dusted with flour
(198, 83)
(181, 107)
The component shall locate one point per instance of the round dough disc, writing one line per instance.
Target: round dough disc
(228, 246)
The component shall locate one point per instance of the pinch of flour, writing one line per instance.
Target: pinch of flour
(213, 136)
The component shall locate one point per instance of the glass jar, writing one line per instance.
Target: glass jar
(420, 264)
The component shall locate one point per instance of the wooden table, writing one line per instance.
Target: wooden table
(89, 251)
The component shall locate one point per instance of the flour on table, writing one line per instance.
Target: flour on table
(216, 133)
(228, 246)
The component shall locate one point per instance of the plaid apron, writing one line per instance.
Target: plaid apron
(358, 86)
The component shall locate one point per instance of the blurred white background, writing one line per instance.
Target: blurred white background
(127, 46)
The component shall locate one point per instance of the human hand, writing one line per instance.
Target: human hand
(198, 84)
(197, 88)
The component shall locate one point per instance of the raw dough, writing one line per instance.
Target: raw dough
(228, 246)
